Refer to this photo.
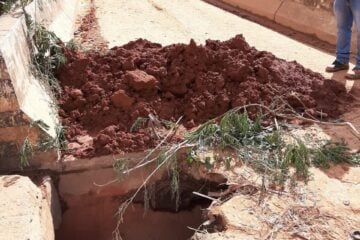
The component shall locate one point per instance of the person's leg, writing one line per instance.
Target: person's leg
(355, 9)
(344, 19)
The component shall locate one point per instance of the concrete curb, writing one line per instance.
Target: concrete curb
(295, 15)
(25, 210)
(264, 8)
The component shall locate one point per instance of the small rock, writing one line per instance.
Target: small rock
(74, 93)
(69, 158)
(141, 81)
(79, 102)
(73, 145)
(169, 95)
(190, 123)
(121, 100)
(94, 98)
(85, 140)
(296, 121)
(111, 130)
(129, 64)
(103, 139)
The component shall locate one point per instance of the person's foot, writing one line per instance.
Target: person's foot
(336, 66)
(354, 74)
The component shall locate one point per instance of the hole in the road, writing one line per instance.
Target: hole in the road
(93, 218)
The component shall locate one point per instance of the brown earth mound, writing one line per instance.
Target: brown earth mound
(104, 94)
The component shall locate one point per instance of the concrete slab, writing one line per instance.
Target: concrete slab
(24, 213)
(51, 196)
(66, 16)
(29, 91)
(58, 16)
(103, 182)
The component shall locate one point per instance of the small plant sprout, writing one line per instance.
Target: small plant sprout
(26, 151)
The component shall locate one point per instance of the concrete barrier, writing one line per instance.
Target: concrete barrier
(310, 17)
(23, 98)
(316, 21)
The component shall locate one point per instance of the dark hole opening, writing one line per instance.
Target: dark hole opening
(95, 218)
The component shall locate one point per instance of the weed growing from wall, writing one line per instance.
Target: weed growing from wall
(46, 56)
(6, 5)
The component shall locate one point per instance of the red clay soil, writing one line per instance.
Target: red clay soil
(88, 33)
(104, 94)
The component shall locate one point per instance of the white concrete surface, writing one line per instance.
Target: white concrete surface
(33, 97)
(63, 23)
(24, 214)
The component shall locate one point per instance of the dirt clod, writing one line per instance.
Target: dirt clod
(141, 81)
(121, 100)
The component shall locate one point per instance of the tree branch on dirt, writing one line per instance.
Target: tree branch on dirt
(260, 147)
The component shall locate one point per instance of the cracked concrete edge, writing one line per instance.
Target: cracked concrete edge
(51, 196)
(295, 15)
(28, 211)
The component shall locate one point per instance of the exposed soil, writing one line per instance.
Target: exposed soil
(87, 33)
(104, 94)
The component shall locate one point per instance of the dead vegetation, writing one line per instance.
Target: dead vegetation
(279, 157)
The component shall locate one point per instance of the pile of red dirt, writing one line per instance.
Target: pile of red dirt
(104, 94)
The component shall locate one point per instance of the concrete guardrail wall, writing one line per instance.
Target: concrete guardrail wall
(313, 17)
(23, 98)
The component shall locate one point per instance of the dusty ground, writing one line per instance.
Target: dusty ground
(329, 206)
(325, 208)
